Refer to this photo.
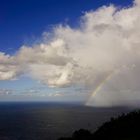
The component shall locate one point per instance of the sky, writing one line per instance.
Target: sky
(70, 50)
(24, 21)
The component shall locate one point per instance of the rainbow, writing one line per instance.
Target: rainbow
(98, 88)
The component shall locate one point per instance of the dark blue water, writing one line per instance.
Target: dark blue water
(49, 121)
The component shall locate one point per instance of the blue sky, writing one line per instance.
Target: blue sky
(24, 21)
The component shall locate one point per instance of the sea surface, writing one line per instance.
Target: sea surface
(49, 121)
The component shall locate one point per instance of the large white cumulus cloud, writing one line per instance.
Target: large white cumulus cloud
(8, 67)
(108, 40)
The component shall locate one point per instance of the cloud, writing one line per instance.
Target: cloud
(107, 41)
(6, 92)
(8, 67)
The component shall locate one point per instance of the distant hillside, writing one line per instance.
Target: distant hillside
(125, 127)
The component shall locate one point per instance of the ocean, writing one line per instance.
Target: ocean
(49, 121)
